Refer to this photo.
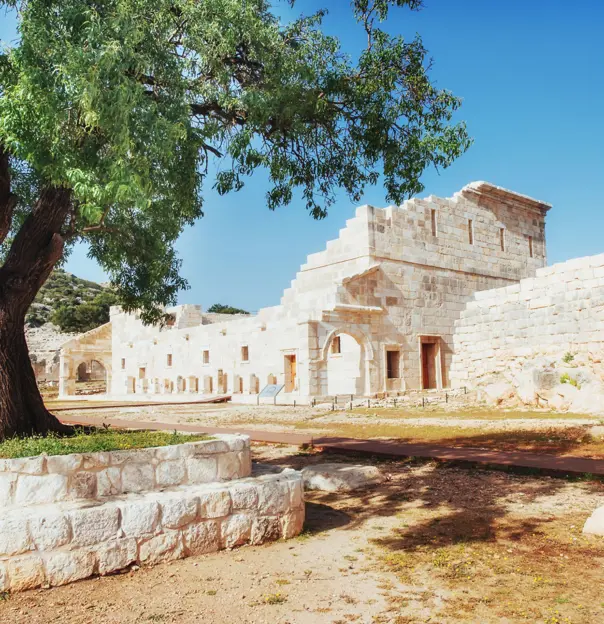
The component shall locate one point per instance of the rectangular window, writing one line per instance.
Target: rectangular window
(245, 354)
(336, 345)
(393, 361)
(470, 231)
(433, 221)
(169, 359)
(530, 246)
(123, 363)
(206, 357)
(141, 373)
(502, 238)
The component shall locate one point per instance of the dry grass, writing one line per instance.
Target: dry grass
(574, 441)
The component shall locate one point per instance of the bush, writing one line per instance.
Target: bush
(568, 357)
(219, 308)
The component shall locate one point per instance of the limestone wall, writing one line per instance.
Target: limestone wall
(60, 543)
(64, 518)
(94, 476)
(558, 312)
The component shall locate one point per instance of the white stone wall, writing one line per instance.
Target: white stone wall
(93, 476)
(560, 310)
(388, 281)
(56, 544)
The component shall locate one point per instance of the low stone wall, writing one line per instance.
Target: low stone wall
(531, 334)
(95, 476)
(47, 545)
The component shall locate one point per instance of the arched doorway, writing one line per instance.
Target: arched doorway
(91, 378)
(345, 370)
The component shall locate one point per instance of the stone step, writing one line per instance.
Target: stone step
(56, 544)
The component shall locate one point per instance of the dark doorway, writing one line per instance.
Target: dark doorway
(430, 358)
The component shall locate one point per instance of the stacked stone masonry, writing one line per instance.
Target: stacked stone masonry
(69, 533)
(372, 313)
(559, 311)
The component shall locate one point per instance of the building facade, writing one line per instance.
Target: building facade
(373, 313)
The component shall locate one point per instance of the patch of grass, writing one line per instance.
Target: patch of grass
(211, 592)
(282, 582)
(568, 357)
(99, 440)
(566, 378)
(273, 599)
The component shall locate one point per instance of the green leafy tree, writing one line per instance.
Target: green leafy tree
(111, 113)
(219, 308)
(82, 317)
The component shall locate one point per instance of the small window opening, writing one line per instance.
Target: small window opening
(123, 363)
(336, 345)
(169, 359)
(245, 354)
(206, 357)
(530, 239)
(393, 362)
(433, 221)
(141, 373)
(470, 231)
(502, 238)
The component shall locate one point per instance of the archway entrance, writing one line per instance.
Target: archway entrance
(345, 373)
(91, 378)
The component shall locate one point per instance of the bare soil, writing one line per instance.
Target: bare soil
(434, 544)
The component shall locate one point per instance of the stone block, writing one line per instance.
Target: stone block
(202, 537)
(116, 555)
(595, 523)
(292, 523)
(4, 580)
(109, 481)
(67, 567)
(25, 572)
(64, 464)
(29, 465)
(137, 477)
(7, 489)
(214, 503)
(273, 497)
(265, 529)
(339, 478)
(49, 530)
(228, 466)
(201, 469)
(243, 495)
(92, 525)
(140, 517)
(14, 538)
(83, 485)
(236, 530)
(39, 490)
(178, 510)
(167, 546)
(170, 472)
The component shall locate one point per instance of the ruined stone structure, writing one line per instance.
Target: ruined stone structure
(68, 517)
(372, 313)
(540, 341)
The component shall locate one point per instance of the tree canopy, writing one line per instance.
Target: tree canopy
(219, 308)
(132, 107)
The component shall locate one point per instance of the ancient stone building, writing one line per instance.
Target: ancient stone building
(372, 313)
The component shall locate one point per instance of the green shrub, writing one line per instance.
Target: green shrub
(568, 357)
(566, 378)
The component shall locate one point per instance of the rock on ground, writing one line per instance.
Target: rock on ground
(340, 477)
(595, 522)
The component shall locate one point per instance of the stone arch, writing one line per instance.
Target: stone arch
(348, 372)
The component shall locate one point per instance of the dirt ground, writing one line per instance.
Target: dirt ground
(454, 424)
(435, 543)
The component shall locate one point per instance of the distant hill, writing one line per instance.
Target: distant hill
(72, 304)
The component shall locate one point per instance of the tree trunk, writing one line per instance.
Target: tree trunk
(34, 252)
(22, 410)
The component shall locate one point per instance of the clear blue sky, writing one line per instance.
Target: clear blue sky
(531, 75)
